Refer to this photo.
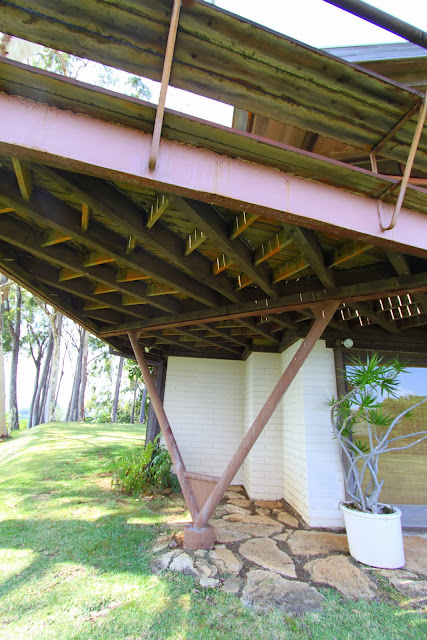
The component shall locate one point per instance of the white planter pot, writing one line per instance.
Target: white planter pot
(375, 539)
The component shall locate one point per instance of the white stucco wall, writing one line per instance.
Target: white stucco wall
(212, 403)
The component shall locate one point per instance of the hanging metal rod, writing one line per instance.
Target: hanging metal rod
(167, 66)
(382, 19)
(408, 167)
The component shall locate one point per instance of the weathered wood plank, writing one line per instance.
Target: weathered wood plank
(24, 177)
(348, 251)
(353, 293)
(290, 268)
(366, 105)
(194, 240)
(157, 210)
(242, 222)
(54, 237)
(272, 246)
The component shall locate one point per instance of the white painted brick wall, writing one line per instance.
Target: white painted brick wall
(212, 403)
(313, 482)
(264, 473)
(204, 401)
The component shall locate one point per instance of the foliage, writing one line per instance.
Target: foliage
(75, 559)
(100, 75)
(363, 409)
(146, 471)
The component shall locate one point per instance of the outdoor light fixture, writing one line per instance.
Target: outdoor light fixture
(347, 343)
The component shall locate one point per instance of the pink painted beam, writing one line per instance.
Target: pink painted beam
(77, 142)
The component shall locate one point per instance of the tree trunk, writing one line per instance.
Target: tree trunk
(15, 332)
(143, 401)
(132, 413)
(51, 393)
(41, 391)
(37, 362)
(83, 377)
(3, 424)
(117, 391)
(72, 413)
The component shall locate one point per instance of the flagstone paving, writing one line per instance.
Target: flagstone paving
(269, 559)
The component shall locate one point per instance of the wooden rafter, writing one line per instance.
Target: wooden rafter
(15, 232)
(221, 263)
(353, 293)
(54, 237)
(194, 240)
(348, 251)
(157, 209)
(24, 177)
(163, 242)
(205, 218)
(290, 268)
(85, 216)
(241, 222)
(272, 246)
(60, 216)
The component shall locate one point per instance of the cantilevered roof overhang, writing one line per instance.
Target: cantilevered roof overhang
(233, 241)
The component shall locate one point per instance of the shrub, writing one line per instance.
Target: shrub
(147, 471)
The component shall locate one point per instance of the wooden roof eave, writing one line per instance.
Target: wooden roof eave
(261, 71)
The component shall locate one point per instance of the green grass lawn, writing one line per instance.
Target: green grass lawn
(75, 558)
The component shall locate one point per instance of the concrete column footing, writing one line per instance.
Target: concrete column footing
(198, 537)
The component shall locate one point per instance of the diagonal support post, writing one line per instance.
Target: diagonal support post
(165, 427)
(200, 534)
(322, 319)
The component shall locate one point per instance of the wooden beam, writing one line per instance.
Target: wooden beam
(25, 179)
(194, 241)
(132, 242)
(221, 264)
(68, 274)
(157, 209)
(130, 275)
(17, 233)
(366, 309)
(95, 258)
(308, 243)
(90, 306)
(103, 288)
(6, 210)
(160, 240)
(272, 246)
(290, 268)
(243, 281)
(54, 237)
(159, 289)
(104, 241)
(206, 218)
(348, 251)
(241, 222)
(350, 293)
(85, 216)
(130, 300)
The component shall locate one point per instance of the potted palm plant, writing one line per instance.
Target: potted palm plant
(365, 431)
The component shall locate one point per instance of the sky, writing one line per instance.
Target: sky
(316, 23)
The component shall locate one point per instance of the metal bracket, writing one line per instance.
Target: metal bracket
(167, 66)
(403, 183)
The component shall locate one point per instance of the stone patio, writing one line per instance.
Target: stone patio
(265, 555)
